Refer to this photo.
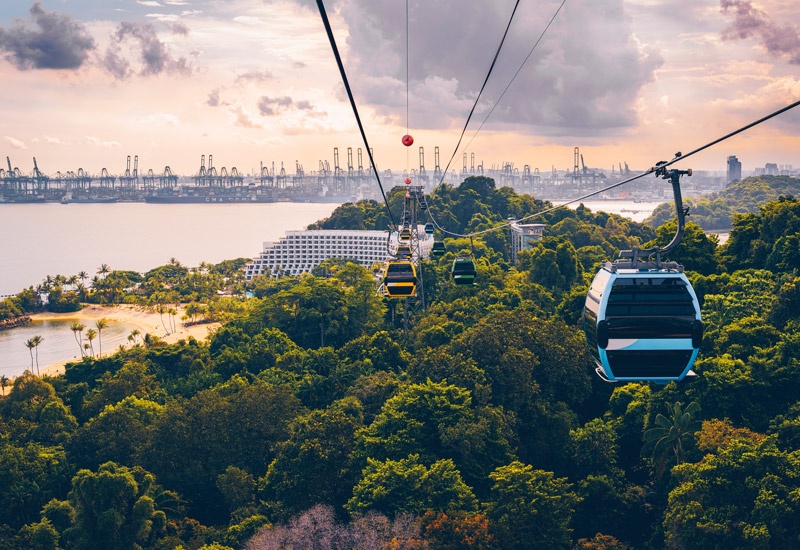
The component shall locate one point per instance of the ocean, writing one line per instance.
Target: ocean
(37, 240)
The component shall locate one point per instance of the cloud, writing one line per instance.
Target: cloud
(254, 76)
(102, 143)
(160, 119)
(583, 78)
(751, 22)
(180, 28)
(16, 143)
(244, 119)
(59, 42)
(268, 106)
(153, 54)
(213, 98)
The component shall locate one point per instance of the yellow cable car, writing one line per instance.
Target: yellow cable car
(405, 234)
(400, 279)
(403, 252)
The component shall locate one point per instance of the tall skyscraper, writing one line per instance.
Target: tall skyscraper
(734, 169)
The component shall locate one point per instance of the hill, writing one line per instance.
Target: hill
(714, 212)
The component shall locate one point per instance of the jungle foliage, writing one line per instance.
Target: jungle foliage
(321, 415)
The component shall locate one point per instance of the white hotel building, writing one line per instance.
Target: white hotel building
(301, 251)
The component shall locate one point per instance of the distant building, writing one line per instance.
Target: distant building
(301, 251)
(523, 235)
(734, 169)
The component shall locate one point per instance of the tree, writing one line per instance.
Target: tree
(113, 508)
(33, 344)
(120, 433)
(458, 530)
(103, 270)
(77, 330)
(741, 496)
(315, 464)
(530, 509)
(594, 448)
(696, 249)
(90, 335)
(671, 433)
(100, 324)
(238, 487)
(4, 383)
(29, 474)
(39, 536)
(436, 421)
(396, 486)
(37, 340)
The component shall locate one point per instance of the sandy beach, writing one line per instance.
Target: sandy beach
(137, 316)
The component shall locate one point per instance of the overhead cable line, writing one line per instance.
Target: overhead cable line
(651, 170)
(478, 97)
(335, 49)
(524, 61)
(538, 40)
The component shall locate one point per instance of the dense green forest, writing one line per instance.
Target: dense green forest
(718, 210)
(321, 415)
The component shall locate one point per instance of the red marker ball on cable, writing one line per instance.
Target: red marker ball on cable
(408, 181)
(408, 141)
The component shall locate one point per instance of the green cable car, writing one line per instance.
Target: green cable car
(463, 271)
(438, 249)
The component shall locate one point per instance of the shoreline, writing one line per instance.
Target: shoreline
(133, 315)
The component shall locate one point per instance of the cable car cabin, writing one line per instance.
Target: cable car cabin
(438, 249)
(642, 325)
(400, 279)
(429, 228)
(403, 252)
(463, 271)
(405, 234)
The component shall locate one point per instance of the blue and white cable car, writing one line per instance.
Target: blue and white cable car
(642, 317)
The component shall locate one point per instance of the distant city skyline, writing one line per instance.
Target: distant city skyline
(254, 81)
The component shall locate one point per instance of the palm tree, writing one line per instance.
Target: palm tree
(90, 334)
(100, 324)
(670, 432)
(172, 312)
(103, 270)
(72, 281)
(132, 336)
(36, 341)
(30, 345)
(77, 329)
(4, 383)
(162, 309)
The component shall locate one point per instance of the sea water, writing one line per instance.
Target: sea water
(37, 240)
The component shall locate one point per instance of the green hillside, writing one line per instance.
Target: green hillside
(716, 211)
(322, 415)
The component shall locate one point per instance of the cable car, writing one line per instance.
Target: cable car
(405, 234)
(438, 249)
(641, 316)
(429, 228)
(642, 324)
(463, 271)
(400, 279)
(403, 252)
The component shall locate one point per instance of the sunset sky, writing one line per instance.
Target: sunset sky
(85, 83)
